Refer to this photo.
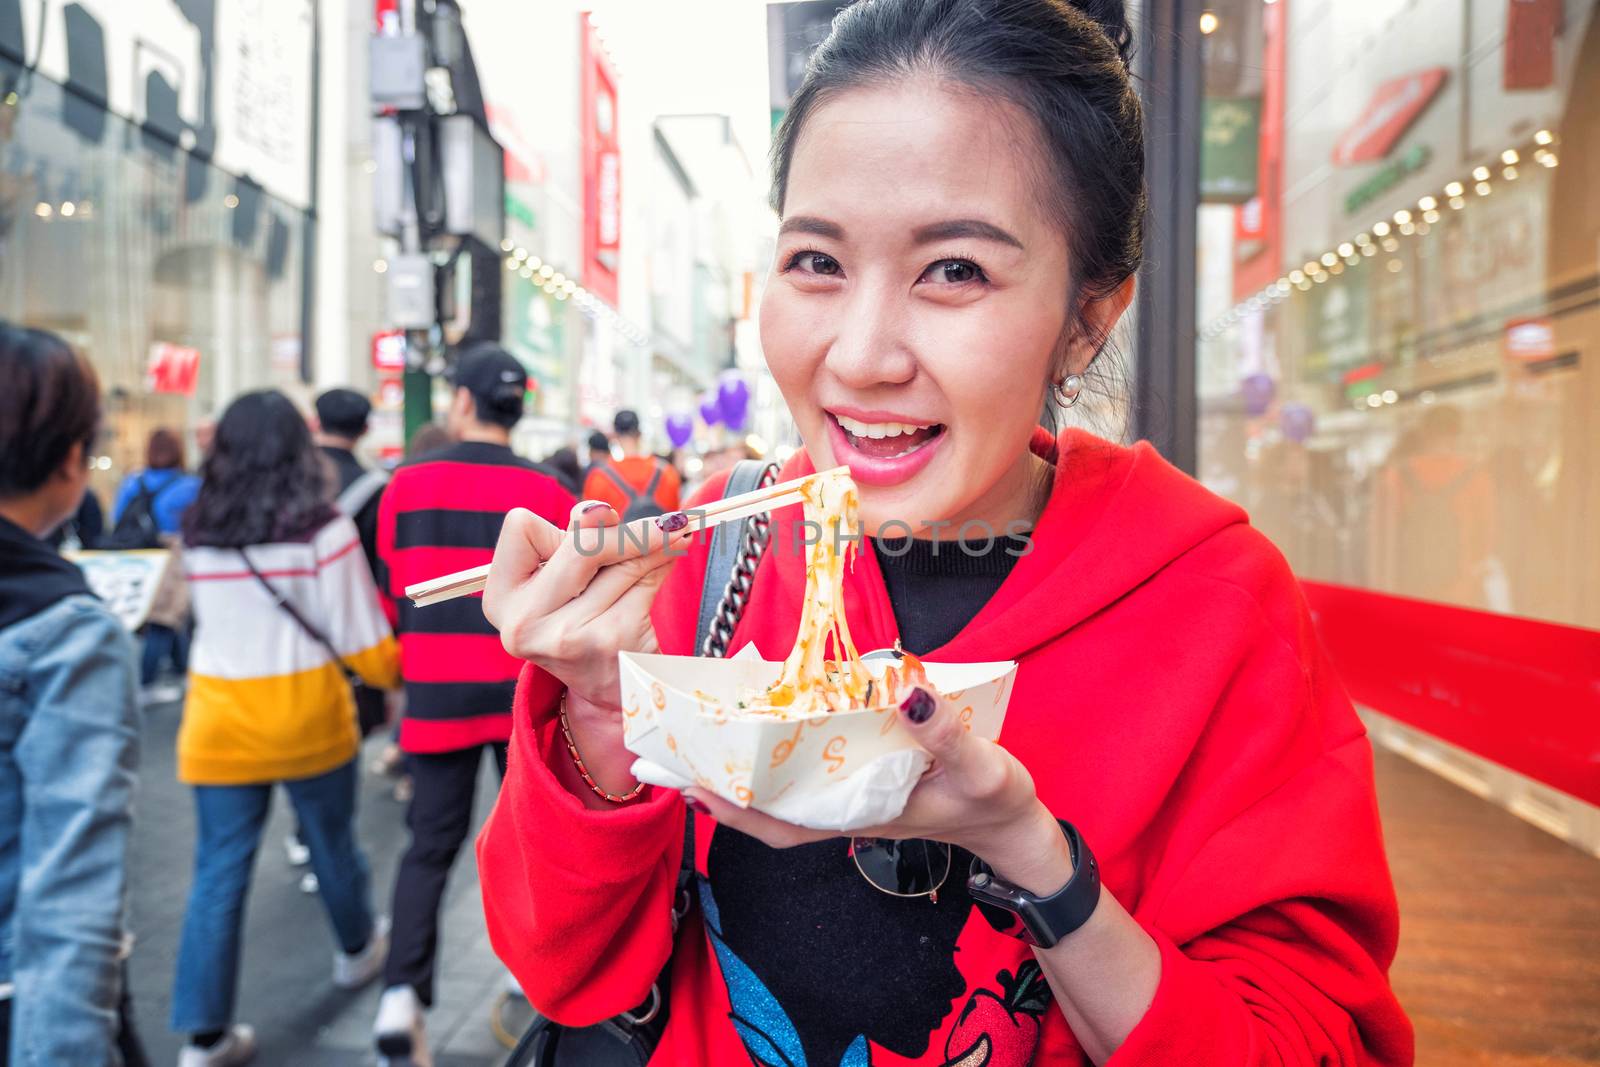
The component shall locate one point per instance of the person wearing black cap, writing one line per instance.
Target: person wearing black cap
(442, 513)
(342, 416)
(638, 484)
(599, 452)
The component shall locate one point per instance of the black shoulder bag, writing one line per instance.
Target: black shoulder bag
(630, 1039)
(305, 624)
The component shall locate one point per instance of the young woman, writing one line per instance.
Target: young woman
(283, 597)
(961, 193)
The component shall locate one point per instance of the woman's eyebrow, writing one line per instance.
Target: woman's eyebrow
(968, 228)
(812, 225)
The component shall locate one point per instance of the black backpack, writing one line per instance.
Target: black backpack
(137, 527)
(641, 505)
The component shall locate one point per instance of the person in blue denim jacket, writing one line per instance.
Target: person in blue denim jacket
(68, 731)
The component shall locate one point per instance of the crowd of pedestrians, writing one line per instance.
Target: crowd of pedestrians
(282, 624)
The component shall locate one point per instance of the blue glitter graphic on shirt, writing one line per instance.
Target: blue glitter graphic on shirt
(762, 1024)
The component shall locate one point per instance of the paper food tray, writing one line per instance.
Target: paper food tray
(677, 714)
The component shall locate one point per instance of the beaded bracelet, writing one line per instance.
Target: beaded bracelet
(572, 747)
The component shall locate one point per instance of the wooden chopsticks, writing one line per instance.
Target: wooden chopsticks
(729, 509)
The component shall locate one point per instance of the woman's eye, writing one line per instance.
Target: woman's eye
(815, 263)
(952, 272)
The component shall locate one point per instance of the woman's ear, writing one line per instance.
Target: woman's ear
(1097, 317)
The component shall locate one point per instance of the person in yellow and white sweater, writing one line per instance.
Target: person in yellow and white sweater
(286, 614)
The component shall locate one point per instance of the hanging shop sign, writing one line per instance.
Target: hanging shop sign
(1258, 222)
(1337, 326)
(602, 168)
(391, 395)
(1530, 49)
(286, 352)
(1387, 177)
(172, 368)
(389, 350)
(537, 324)
(1394, 106)
(1530, 339)
(1230, 138)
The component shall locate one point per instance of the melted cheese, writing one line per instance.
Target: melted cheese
(824, 672)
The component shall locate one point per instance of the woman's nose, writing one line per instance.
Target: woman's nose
(871, 346)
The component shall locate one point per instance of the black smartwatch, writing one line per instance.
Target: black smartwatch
(1041, 921)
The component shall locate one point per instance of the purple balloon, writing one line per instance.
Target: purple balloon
(1258, 390)
(733, 398)
(1297, 421)
(709, 411)
(680, 428)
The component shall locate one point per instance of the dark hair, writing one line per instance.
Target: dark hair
(49, 401)
(430, 437)
(164, 450)
(1063, 64)
(626, 423)
(501, 408)
(343, 412)
(564, 461)
(598, 442)
(263, 481)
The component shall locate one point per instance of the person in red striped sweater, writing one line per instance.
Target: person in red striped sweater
(442, 514)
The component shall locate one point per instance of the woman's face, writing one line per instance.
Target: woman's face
(917, 304)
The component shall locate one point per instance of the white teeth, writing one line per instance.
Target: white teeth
(879, 430)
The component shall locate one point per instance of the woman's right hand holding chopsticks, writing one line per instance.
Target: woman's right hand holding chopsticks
(569, 602)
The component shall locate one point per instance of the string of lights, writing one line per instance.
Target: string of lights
(1385, 235)
(555, 283)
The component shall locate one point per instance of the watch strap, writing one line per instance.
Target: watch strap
(1041, 921)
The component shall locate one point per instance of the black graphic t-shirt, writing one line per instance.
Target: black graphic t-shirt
(843, 962)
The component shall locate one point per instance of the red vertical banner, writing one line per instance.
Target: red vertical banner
(1257, 230)
(386, 16)
(1530, 50)
(602, 166)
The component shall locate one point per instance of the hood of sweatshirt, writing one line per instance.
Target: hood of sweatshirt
(32, 575)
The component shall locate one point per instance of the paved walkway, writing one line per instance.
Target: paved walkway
(285, 987)
(1499, 960)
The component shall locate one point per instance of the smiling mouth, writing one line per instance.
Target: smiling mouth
(886, 440)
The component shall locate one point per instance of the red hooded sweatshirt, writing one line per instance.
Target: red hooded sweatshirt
(1171, 700)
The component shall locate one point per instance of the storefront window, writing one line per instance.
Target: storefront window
(180, 282)
(1398, 300)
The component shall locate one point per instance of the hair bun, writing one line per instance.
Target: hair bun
(1112, 17)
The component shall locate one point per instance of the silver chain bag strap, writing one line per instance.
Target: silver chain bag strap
(629, 1038)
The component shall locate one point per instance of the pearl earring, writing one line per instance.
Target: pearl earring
(1068, 390)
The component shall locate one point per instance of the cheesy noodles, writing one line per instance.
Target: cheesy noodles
(824, 671)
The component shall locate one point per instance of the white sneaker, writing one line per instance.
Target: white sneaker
(160, 693)
(238, 1047)
(308, 883)
(299, 855)
(399, 1032)
(355, 971)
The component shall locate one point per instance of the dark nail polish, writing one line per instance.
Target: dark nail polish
(591, 505)
(918, 706)
(672, 521)
(694, 805)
